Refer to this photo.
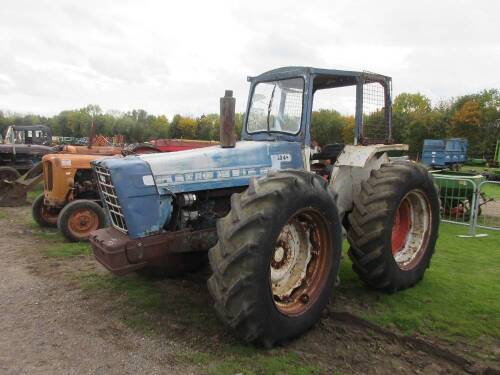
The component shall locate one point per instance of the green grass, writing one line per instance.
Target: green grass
(478, 169)
(239, 359)
(58, 246)
(492, 190)
(3, 215)
(458, 297)
(140, 297)
(68, 249)
(144, 298)
(248, 360)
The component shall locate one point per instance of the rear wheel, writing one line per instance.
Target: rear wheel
(7, 176)
(80, 217)
(394, 226)
(8, 173)
(277, 257)
(43, 215)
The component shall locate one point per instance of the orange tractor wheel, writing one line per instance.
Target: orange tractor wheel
(80, 217)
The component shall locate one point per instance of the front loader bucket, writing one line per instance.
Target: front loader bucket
(13, 193)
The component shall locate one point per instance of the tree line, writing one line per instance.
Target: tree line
(474, 116)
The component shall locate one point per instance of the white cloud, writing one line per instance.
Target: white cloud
(169, 57)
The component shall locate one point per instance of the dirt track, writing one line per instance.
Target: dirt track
(50, 325)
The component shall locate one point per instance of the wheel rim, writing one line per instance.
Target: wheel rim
(300, 262)
(82, 222)
(410, 230)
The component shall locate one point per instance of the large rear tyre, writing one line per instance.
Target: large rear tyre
(44, 216)
(277, 257)
(394, 226)
(80, 217)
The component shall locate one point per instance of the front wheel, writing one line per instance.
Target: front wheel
(277, 257)
(80, 217)
(43, 215)
(394, 226)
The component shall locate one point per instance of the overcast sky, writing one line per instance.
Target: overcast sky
(178, 57)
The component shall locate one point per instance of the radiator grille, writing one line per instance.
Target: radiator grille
(110, 198)
(47, 175)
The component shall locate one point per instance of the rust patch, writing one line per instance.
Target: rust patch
(121, 254)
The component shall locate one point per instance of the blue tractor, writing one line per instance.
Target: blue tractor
(271, 224)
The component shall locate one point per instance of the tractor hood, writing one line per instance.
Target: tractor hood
(216, 167)
(138, 191)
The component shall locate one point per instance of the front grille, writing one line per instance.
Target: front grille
(47, 175)
(110, 198)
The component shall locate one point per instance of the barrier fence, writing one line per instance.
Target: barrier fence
(470, 201)
(488, 205)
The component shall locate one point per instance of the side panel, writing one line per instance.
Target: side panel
(215, 167)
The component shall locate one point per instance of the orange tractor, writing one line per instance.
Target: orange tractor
(71, 200)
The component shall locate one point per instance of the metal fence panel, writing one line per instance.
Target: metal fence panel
(469, 201)
(488, 205)
(458, 199)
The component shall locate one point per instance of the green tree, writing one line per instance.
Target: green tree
(326, 126)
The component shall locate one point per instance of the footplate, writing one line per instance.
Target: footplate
(121, 254)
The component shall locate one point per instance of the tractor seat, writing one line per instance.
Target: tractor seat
(329, 152)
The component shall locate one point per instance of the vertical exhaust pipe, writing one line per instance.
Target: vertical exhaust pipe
(227, 106)
(92, 135)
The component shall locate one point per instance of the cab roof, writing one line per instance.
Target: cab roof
(323, 78)
(31, 127)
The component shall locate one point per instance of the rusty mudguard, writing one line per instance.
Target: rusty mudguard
(121, 254)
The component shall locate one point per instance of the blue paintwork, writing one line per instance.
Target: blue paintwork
(147, 208)
(442, 153)
(215, 167)
(144, 209)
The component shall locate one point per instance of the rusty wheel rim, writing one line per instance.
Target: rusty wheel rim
(82, 222)
(300, 262)
(410, 230)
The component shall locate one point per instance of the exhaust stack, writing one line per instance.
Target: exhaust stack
(227, 134)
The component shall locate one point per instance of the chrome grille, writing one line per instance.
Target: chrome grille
(110, 198)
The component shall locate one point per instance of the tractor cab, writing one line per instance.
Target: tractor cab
(281, 102)
(23, 148)
(30, 134)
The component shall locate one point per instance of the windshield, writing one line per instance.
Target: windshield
(276, 106)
